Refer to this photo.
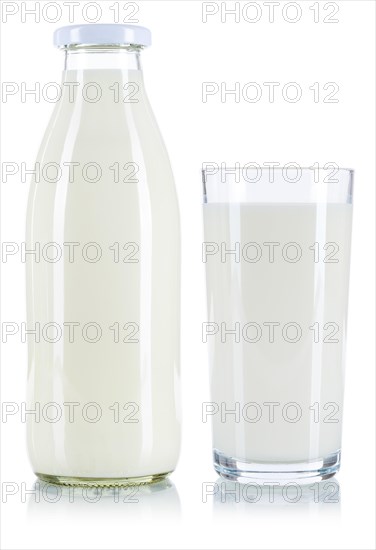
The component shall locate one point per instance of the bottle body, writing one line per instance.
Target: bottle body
(113, 297)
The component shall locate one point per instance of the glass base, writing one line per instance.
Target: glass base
(309, 471)
(101, 481)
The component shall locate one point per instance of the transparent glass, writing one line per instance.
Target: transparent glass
(85, 57)
(103, 286)
(277, 254)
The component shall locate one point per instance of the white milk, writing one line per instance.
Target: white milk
(133, 427)
(304, 378)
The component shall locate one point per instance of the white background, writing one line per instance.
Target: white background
(185, 53)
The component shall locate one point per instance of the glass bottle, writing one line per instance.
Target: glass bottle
(103, 285)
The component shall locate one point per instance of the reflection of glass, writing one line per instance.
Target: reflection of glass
(136, 502)
(229, 496)
(277, 252)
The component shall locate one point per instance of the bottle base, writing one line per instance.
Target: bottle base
(276, 472)
(100, 481)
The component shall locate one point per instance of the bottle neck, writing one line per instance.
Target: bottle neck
(124, 58)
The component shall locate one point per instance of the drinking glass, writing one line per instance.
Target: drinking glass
(277, 254)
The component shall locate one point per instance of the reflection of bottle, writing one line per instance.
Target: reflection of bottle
(104, 291)
(155, 502)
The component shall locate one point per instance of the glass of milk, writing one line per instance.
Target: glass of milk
(277, 252)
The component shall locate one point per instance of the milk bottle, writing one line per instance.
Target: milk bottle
(103, 284)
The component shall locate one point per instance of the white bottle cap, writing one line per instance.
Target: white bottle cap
(102, 34)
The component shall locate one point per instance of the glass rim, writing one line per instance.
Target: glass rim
(293, 184)
(263, 168)
(101, 48)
